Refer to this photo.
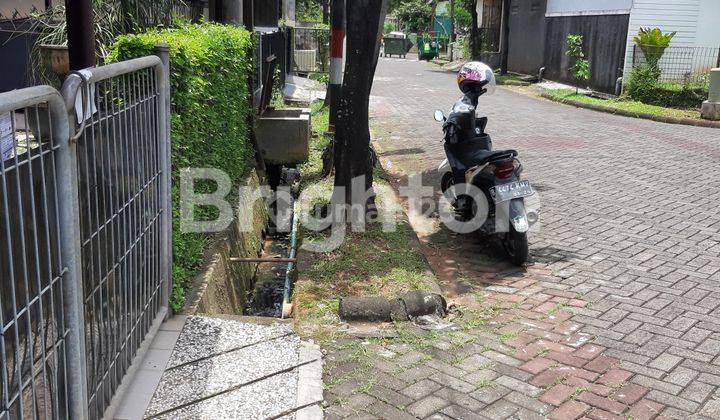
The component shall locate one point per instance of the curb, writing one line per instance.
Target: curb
(641, 115)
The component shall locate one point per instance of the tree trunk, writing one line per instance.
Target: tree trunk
(326, 10)
(353, 156)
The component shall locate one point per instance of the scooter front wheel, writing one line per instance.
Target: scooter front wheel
(516, 246)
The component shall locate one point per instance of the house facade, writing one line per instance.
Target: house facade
(537, 30)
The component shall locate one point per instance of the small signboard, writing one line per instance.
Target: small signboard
(6, 136)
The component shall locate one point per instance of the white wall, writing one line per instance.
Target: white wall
(587, 7)
(708, 27)
(681, 16)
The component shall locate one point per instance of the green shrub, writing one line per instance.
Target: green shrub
(210, 65)
(653, 43)
(643, 86)
(581, 67)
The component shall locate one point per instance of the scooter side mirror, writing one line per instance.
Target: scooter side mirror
(439, 116)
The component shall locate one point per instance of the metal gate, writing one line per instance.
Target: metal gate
(86, 236)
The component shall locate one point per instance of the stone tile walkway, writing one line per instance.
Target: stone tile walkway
(619, 316)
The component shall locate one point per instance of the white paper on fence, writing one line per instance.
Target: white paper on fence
(90, 109)
(6, 136)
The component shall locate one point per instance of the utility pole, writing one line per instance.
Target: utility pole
(326, 10)
(337, 38)
(80, 33)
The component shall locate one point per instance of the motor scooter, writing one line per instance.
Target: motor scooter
(499, 191)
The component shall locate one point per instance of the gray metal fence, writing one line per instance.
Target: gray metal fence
(85, 265)
(310, 50)
(38, 270)
(687, 65)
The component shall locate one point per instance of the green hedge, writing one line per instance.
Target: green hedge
(210, 65)
(643, 86)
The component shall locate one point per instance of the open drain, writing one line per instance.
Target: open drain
(275, 268)
(266, 298)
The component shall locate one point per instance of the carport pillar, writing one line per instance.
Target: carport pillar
(80, 34)
(504, 36)
(337, 38)
(711, 108)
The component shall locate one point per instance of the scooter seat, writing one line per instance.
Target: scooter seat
(481, 157)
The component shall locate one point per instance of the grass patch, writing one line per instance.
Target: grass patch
(374, 262)
(312, 169)
(623, 104)
(485, 383)
(509, 79)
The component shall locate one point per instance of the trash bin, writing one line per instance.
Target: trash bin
(396, 43)
(428, 48)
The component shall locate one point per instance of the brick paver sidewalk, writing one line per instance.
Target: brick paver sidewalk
(618, 318)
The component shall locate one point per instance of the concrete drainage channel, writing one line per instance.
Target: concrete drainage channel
(231, 354)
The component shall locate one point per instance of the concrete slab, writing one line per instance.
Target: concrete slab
(218, 374)
(268, 398)
(203, 337)
(217, 368)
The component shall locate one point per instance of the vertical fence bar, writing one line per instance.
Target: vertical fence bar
(163, 110)
(67, 186)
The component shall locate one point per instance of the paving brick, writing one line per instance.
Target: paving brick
(389, 396)
(421, 389)
(614, 377)
(500, 409)
(452, 382)
(570, 410)
(665, 362)
(681, 376)
(595, 388)
(601, 364)
(650, 273)
(490, 394)
(651, 383)
(557, 394)
(458, 412)
(645, 410)
(427, 406)
(673, 400)
(459, 398)
(536, 365)
(598, 414)
(589, 351)
(528, 403)
(630, 394)
(549, 377)
(520, 386)
(357, 402)
(567, 359)
(386, 411)
(602, 402)
(697, 391)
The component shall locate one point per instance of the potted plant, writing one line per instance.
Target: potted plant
(55, 58)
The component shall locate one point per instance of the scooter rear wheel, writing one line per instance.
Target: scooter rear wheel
(516, 246)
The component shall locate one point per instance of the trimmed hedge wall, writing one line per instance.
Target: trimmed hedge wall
(643, 86)
(210, 65)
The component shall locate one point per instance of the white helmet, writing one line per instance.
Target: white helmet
(476, 75)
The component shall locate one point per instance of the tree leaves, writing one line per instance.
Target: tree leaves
(581, 67)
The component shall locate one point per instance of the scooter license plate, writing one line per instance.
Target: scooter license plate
(512, 190)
